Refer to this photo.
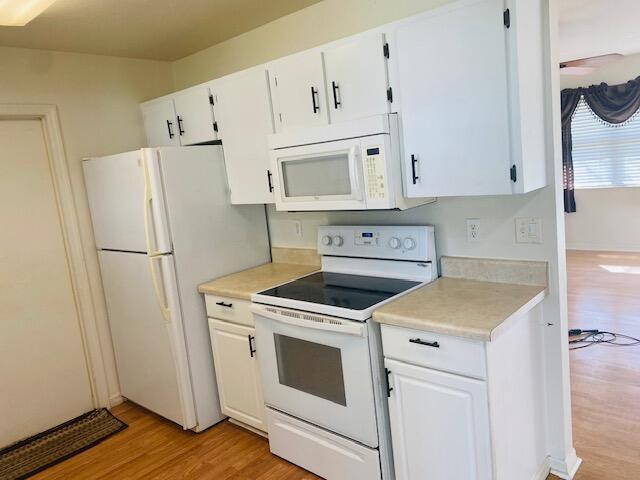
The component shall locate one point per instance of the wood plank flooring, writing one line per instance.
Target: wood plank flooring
(604, 293)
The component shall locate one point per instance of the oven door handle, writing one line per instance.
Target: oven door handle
(293, 317)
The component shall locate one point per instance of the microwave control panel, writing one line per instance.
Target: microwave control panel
(375, 172)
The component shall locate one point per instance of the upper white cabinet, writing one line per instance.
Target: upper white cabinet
(243, 112)
(160, 123)
(184, 118)
(470, 126)
(299, 97)
(356, 78)
(194, 114)
(341, 82)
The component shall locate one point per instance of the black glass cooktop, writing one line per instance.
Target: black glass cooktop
(356, 292)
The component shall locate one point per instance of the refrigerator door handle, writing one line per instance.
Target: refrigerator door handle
(148, 198)
(160, 294)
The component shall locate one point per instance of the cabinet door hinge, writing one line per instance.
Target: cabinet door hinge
(389, 387)
(215, 126)
(211, 99)
(390, 95)
(385, 50)
(513, 173)
(506, 18)
(280, 117)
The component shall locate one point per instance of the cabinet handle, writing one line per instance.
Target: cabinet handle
(415, 177)
(314, 92)
(171, 134)
(222, 304)
(269, 182)
(389, 387)
(335, 87)
(251, 349)
(180, 130)
(424, 342)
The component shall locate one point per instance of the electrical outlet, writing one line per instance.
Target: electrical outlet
(297, 226)
(528, 230)
(473, 229)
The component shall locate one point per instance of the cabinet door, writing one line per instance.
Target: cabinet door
(195, 116)
(243, 111)
(356, 74)
(237, 372)
(439, 424)
(299, 98)
(452, 74)
(160, 123)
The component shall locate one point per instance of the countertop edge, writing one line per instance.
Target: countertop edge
(530, 305)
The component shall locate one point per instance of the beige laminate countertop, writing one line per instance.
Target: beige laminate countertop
(243, 284)
(460, 307)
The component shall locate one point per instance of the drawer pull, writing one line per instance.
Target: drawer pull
(424, 342)
(222, 304)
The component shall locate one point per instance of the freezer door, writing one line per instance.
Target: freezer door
(127, 202)
(146, 328)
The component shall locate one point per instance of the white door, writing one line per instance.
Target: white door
(194, 115)
(126, 201)
(356, 74)
(317, 368)
(439, 424)
(452, 74)
(148, 341)
(297, 85)
(43, 372)
(242, 105)
(237, 373)
(160, 123)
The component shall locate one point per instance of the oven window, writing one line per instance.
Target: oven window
(310, 367)
(323, 175)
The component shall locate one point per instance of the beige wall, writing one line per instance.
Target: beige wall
(320, 23)
(97, 99)
(606, 219)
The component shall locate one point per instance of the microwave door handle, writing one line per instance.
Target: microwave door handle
(349, 329)
(354, 172)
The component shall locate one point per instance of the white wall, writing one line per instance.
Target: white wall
(98, 103)
(606, 218)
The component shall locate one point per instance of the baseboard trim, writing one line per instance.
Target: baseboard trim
(115, 399)
(248, 427)
(602, 248)
(567, 468)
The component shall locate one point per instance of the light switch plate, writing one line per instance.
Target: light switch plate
(473, 229)
(528, 230)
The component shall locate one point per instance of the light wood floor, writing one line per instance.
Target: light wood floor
(604, 293)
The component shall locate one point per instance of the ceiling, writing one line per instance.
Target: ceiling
(155, 29)
(597, 27)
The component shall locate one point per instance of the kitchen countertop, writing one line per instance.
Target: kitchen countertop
(243, 284)
(461, 307)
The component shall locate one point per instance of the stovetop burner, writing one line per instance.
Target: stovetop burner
(355, 292)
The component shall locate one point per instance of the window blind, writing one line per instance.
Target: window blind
(604, 155)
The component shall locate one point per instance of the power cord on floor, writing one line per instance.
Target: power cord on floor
(588, 338)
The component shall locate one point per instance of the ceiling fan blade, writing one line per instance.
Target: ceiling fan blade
(596, 61)
(576, 70)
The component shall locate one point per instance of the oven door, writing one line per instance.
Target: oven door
(317, 368)
(323, 176)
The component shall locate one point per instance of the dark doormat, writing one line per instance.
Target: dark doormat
(36, 453)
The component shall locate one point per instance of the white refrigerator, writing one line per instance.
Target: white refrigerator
(163, 224)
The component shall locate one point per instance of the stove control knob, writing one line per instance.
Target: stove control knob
(338, 241)
(394, 242)
(326, 240)
(409, 243)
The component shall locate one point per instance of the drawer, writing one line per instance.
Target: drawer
(230, 309)
(434, 350)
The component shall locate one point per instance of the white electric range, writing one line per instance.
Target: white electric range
(320, 356)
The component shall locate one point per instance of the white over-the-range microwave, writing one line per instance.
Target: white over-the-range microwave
(345, 166)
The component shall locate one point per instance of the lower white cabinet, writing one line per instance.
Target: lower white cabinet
(439, 424)
(237, 373)
(465, 409)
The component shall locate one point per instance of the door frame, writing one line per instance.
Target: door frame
(78, 271)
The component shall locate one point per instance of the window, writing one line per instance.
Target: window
(604, 155)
